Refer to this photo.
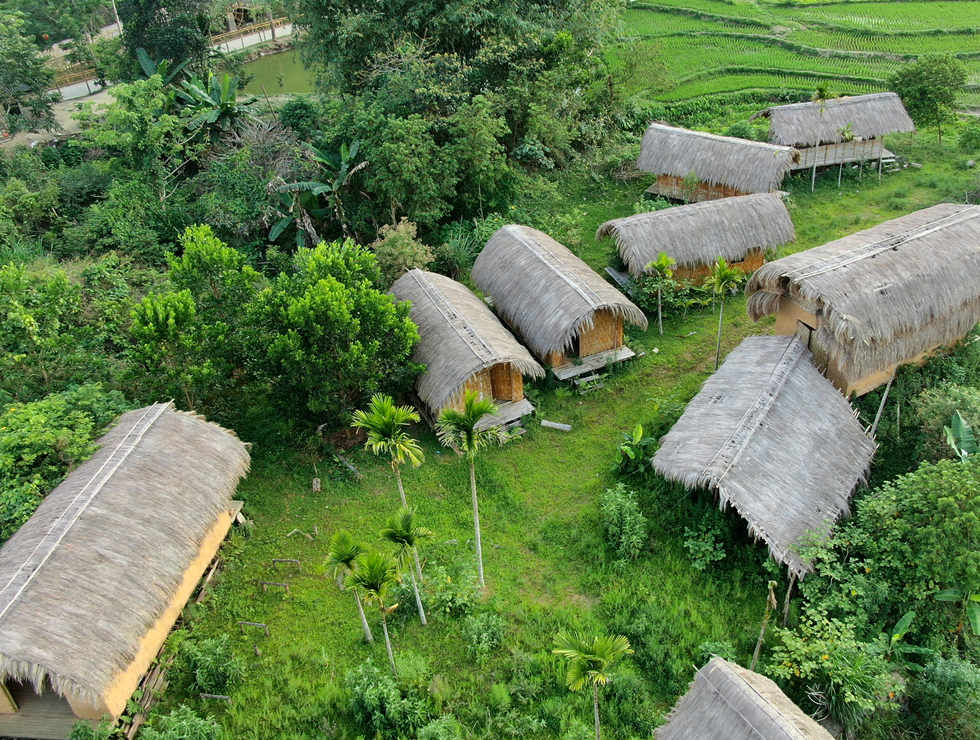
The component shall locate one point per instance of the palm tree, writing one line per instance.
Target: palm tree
(590, 662)
(401, 531)
(723, 280)
(374, 572)
(458, 430)
(383, 422)
(342, 557)
(663, 269)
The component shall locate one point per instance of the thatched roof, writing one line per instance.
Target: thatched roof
(775, 440)
(546, 293)
(822, 121)
(699, 233)
(459, 336)
(748, 166)
(90, 572)
(885, 294)
(728, 702)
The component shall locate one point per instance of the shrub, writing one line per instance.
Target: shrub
(182, 724)
(483, 634)
(933, 409)
(448, 596)
(457, 252)
(379, 706)
(703, 546)
(213, 665)
(446, 727)
(623, 523)
(299, 114)
(945, 700)
(970, 138)
(398, 251)
(721, 648)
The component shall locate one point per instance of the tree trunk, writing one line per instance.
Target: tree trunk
(364, 623)
(595, 707)
(660, 320)
(418, 598)
(476, 524)
(721, 316)
(770, 605)
(401, 488)
(391, 655)
(418, 565)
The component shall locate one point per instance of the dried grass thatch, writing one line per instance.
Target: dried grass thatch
(775, 440)
(886, 294)
(824, 121)
(728, 702)
(699, 233)
(459, 336)
(86, 577)
(747, 166)
(546, 293)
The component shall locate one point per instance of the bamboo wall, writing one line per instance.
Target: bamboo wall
(697, 273)
(671, 186)
(606, 333)
(847, 151)
(506, 382)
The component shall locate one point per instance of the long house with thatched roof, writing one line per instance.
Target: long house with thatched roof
(879, 298)
(738, 229)
(464, 347)
(565, 313)
(92, 583)
(774, 439)
(837, 131)
(695, 166)
(728, 702)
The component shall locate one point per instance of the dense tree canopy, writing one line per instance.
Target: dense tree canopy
(25, 102)
(929, 87)
(167, 29)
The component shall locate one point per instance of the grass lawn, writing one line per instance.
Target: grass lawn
(545, 559)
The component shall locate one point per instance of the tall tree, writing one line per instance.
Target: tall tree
(25, 103)
(461, 431)
(385, 425)
(723, 281)
(342, 557)
(177, 30)
(373, 574)
(662, 270)
(928, 87)
(402, 531)
(590, 662)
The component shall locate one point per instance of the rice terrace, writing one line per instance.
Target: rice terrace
(499, 369)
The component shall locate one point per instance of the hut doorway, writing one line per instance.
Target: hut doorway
(506, 383)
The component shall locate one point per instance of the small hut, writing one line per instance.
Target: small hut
(695, 166)
(879, 298)
(92, 583)
(739, 229)
(728, 702)
(828, 132)
(464, 347)
(773, 438)
(565, 313)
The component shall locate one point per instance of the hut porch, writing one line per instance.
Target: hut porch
(44, 715)
(569, 369)
(509, 413)
(674, 188)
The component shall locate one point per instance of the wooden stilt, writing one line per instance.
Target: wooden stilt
(881, 406)
(840, 171)
(879, 168)
(813, 176)
(789, 592)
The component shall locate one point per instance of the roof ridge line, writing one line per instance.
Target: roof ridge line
(535, 249)
(718, 692)
(866, 251)
(453, 317)
(141, 426)
(733, 447)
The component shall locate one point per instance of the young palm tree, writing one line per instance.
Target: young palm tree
(401, 531)
(723, 280)
(374, 572)
(458, 430)
(384, 422)
(342, 557)
(663, 269)
(590, 662)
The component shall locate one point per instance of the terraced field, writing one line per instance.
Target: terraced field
(704, 47)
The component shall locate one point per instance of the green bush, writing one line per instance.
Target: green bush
(933, 409)
(623, 523)
(944, 699)
(483, 634)
(970, 138)
(398, 251)
(299, 114)
(446, 727)
(448, 596)
(182, 724)
(379, 706)
(213, 665)
(703, 545)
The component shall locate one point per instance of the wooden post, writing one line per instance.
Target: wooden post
(813, 176)
(881, 406)
(840, 171)
(770, 605)
(879, 167)
(789, 592)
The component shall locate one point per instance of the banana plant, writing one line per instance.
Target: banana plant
(891, 645)
(959, 436)
(970, 603)
(162, 67)
(215, 103)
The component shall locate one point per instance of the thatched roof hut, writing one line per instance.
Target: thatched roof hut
(697, 234)
(92, 583)
(735, 166)
(459, 338)
(773, 438)
(728, 702)
(548, 296)
(825, 121)
(880, 297)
